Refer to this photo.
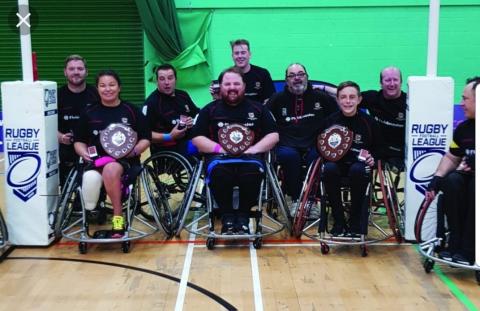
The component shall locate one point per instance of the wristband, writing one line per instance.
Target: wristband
(167, 137)
(217, 148)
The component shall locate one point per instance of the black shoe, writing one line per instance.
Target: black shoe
(228, 228)
(337, 230)
(242, 225)
(459, 258)
(445, 255)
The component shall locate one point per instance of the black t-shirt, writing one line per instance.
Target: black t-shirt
(366, 134)
(463, 143)
(97, 117)
(390, 114)
(259, 85)
(71, 105)
(248, 113)
(163, 111)
(299, 117)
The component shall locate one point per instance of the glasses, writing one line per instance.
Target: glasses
(296, 75)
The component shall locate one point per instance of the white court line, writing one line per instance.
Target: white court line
(257, 288)
(186, 271)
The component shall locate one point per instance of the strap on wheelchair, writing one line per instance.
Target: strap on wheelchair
(231, 161)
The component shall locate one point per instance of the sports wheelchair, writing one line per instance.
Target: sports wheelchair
(313, 195)
(203, 221)
(140, 193)
(431, 232)
(3, 232)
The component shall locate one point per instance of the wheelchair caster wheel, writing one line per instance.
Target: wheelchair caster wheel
(210, 243)
(477, 276)
(82, 247)
(363, 250)
(126, 247)
(257, 243)
(324, 248)
(428, 265)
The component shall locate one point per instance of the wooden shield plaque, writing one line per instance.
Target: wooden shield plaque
(235, 138)
(334, 143)
(118, 140)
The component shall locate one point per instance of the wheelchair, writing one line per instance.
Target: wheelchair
(313, 195)
(203, 221)
(431, 233)
(3, 232)
(72, 220)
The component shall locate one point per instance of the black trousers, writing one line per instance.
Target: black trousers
(224, 177)
(459, 205)
(358, 175)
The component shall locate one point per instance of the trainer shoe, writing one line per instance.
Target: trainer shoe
(293, 208)
(242, 225)
(459, 258)
(118, 225)
(445, 255)
(337, 230)
(228, 225)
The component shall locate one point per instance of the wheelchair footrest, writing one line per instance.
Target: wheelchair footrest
(103, 234)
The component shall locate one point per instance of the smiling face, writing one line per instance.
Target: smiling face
(109, 90)
(75, 72)
(232, 88)
(468, 101)
(348, 99)
(391, 83)
(166, 81)
(241, 56)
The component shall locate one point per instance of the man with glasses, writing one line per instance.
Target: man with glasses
(298, 111)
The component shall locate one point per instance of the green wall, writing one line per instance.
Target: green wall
(339, 40)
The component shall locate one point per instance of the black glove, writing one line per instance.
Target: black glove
(470, 161)
(434, 184)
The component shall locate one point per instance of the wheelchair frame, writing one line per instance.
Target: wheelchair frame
(3, 232)
(313, 192)
(433, 241)
(196, 225)
(78, 229)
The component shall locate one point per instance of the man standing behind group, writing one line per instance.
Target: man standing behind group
(258, 82)
(298, 111)
(388, 107)
(72, 99)
(170, 113)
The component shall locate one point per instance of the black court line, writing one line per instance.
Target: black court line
(207, 293)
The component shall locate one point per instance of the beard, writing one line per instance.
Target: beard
(76, 80)
(298, 88)
(233, 97)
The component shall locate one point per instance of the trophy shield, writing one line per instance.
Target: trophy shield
(235, 138)
(118, 140)
(334, 143)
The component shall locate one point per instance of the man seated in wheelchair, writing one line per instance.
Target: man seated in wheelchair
(234, 132)
(349, 140)
(110, 137)
(455, 177)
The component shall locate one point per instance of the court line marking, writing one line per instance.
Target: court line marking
(186, 271)
(257, 288)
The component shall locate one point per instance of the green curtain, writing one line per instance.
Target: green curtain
(191, 62)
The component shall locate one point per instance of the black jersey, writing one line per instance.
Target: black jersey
(163, 111)
(71, 105)
(299, 116)
(258, 84)
(218, 114)
(463, 143)
(390, 115)
(366, 134)
(97, 117)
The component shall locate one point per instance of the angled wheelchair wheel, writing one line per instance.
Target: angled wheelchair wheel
(3, 231)
(428, 265)
(390, 201)
(309, 196)
(68, 204)
(426, 221)
(173, 171)
(156, 199)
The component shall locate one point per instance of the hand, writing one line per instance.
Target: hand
(189, 122)
(214, 91)
(66, 139)
(429, 196)
(176, 133)
(251, 150)
(370, 161)
(434, 184)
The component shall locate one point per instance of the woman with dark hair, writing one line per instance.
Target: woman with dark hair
(94, 120)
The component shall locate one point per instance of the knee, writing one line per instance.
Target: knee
(286, 155)
(330, 169)
(112, 173)
(91, 185)
(359, 170)
(452, 182)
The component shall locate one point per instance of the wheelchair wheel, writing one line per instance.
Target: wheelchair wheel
(173, 171)
(364, 250)
(309, 196)
(210, 243)
(68, 204)
(82, 247)
(157, 200)
(3, 231)
(257, 243)
(390, 201)
(426, 221)
(126, 247)
(324, 248)
(428, 265)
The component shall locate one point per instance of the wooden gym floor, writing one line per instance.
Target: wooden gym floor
(285, 274)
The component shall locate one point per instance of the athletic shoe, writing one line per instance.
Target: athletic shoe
(228, 225)
(459, 258)
(118, 227)
(242, 225)
(293, 208)
(445, 255)
(337, 230)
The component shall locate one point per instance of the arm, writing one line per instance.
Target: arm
(206, 145)
(64, 138)
(448, 163)
(81, 150)
(265, 144)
